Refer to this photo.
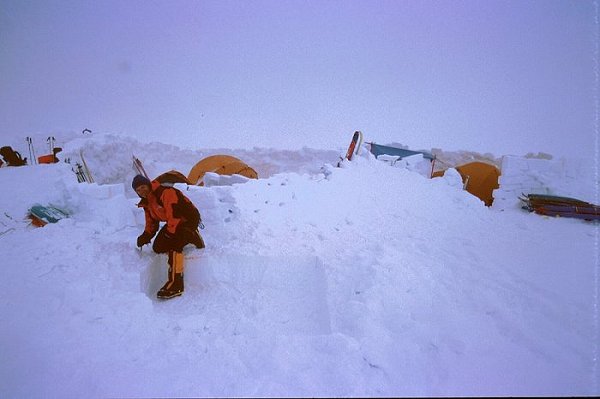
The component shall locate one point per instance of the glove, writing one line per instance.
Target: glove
(144, 239)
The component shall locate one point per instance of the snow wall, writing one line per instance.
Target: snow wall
(562, 177)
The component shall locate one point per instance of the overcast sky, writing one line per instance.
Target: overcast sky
(506, 77)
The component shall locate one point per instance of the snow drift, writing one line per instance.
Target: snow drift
(363, 280)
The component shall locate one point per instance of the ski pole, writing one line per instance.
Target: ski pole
(50, 141)
(33, 150)
(80, 172)
(90, 179)
(28, 139)
(137, 164)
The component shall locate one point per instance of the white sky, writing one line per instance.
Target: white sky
(506, 77)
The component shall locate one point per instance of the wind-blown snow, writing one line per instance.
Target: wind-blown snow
(362, 280)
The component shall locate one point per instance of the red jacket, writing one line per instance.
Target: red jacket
(165, 204)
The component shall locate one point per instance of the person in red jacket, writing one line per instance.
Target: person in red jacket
(167, 204)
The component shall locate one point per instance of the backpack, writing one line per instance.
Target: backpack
(168, 179)
(183, 208)
(12, 157)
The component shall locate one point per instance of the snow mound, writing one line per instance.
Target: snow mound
(366, 279)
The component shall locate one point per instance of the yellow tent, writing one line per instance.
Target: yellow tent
(220, 164)
(479, 178)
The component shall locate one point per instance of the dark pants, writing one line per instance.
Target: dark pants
(166, 242)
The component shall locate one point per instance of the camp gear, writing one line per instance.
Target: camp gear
(355, 143)
(377, 150)
(12, 157)
(86, 170)
(50, 140)
(550, 205)
(355, 138)
(50, 158)
(168, 179)
(479, 179)
(31, 149)
(222, 165)
(41, 215)
(81, 170)
(137, 165)
(80, 173)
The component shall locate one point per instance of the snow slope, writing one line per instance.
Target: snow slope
(363, 280)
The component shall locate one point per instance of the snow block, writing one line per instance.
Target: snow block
(104, 191)
(520, 175)
(284, 295)
(215, 179)
(453, 178)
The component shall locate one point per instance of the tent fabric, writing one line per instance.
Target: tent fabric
(377, 150)
(479, 178)
(438, 173)
(220, 164)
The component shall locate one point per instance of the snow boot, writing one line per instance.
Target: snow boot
(174, 285)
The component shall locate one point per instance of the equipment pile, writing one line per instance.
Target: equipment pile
(550, 205)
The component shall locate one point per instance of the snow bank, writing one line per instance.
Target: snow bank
(109, 157)
(362, 280)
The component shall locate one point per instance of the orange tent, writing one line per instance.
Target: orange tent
(220, 164)
(479, 178)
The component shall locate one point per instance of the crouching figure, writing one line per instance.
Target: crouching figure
(168, 204)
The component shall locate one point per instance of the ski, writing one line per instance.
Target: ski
(86, 170)
(550, 205)
(356, 141)
(137, 164)
(359, 144)
(352, 145)
(78, 170)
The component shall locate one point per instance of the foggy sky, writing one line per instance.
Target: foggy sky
(506, 77)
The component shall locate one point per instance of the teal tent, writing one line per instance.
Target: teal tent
(377, 150)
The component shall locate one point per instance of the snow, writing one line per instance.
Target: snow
(366, 279)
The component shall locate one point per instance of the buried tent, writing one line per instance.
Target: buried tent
(479, 179)
(377, 150)
(222, 165)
